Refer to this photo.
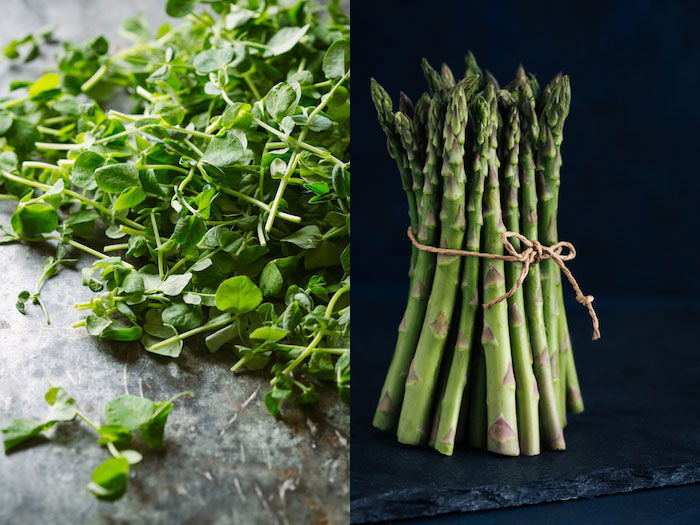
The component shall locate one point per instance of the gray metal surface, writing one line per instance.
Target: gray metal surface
(225, 459)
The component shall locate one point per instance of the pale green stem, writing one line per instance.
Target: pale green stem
(209, 326)
(159, 253)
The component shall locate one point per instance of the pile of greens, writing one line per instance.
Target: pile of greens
(123, 415)
(475, 161)
(223, 189)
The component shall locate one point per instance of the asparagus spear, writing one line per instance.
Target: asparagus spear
(449, 408)
(432, 77)
(552, 434)
(385, 115)
(391, 397)
(471, 67)
(448, 79)
(477, 399)
(574, 400)
(425, 365)
(527, 394)
(555, 108)
(501, 416)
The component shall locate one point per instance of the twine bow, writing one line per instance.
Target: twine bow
(533, 253)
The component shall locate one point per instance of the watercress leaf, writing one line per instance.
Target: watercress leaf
(271, 279)
(129, 197)
(345, 259)
(22, 135)
(109, 479)
(325, 255)
(310, 395)
(174, 284)
(272, 403)
(292, 316)
(8, 160)
(48, 82)
(128, 411)
(115, 178)
(95, 325)
(116, 434)
(220, 337)
(212, 59)
(280, 100)
(34, 219)
(150, 184)
(182, 316)
(63, 406)
(179, 8)
(201, 265)
(305, 238)
(152, 430)
(118, 331)
(192, 298)
(6, 119)
(223, 150)
(269, 333)
(336, 59)
(17, 431)
(189, 230)
(237, 115)
(284, 40)
(238, 295)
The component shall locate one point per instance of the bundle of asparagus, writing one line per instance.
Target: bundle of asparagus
(476, 161)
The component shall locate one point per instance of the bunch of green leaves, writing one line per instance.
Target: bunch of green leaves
(223, 190)
(124, 416)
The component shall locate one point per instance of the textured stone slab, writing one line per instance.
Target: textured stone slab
(641, 427)
(225, 459)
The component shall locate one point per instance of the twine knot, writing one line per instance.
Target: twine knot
(533, 253)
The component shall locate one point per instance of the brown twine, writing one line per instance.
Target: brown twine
(533, 253)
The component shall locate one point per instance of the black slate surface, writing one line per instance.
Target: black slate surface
(641, 427)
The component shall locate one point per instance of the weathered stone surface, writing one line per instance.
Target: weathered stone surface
(225, 460)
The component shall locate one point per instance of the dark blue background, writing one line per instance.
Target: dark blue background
(629, 197)
(630, 179)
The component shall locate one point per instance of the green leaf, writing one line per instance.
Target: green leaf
(271, 280)
(83, 171)
(174, 284)
(22, 135)
(325, 255)
(116, 434)
(118, 331)
(6, 119)
(305, 238)
(336, 59)
(179, 8)
(269, 333)
(109, 479)
(18, 431)
(213, 59)
(223, 150)
(238, 115)
(115, 178)
(238, 295)
(152, 430)
(34, 219)
(130, 197)
(8, 160)
(63, 406)
(128, 411)
(284, 40)
(182, 316)
(221, 337)
(48, 82)
(280, 100)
